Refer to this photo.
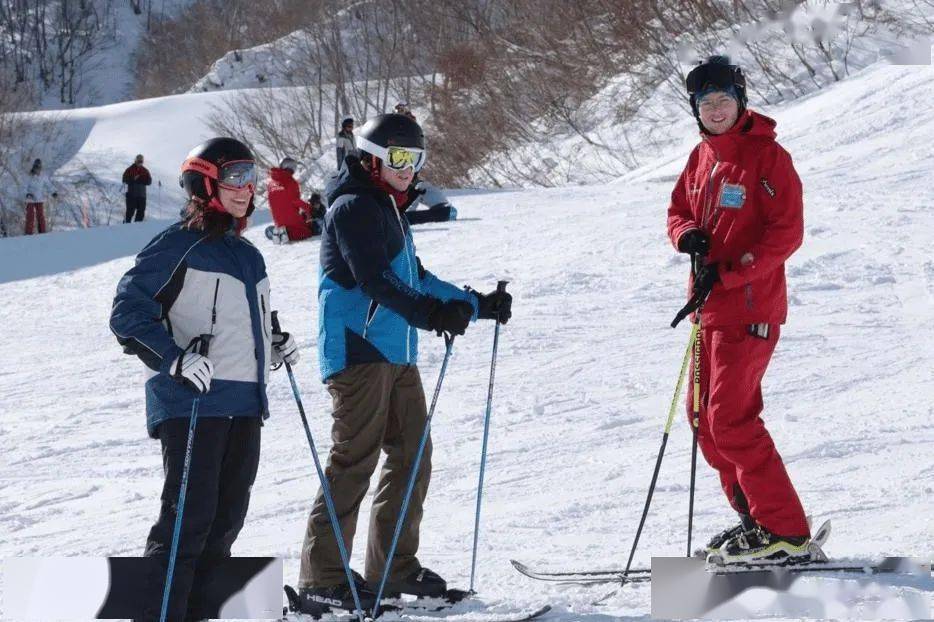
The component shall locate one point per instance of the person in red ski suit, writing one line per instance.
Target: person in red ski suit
(285, 202)
(737, 209)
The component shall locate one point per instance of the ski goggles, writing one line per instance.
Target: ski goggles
(233, 175)
(712, 76)
(396, 158)
(237, 175)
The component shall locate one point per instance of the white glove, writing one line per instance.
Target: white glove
(194, 370)
(284, 349)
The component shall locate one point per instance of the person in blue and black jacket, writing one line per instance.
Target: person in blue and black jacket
(200, 277)
(373, 296)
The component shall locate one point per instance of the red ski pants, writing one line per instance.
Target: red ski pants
(35, 212)
(732, 435)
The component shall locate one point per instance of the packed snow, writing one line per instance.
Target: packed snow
(585, 374)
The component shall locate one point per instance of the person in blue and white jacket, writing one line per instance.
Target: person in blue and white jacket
(373, 296)
(200, 277)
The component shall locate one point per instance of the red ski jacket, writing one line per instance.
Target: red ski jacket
(285, 203)
(742, 189)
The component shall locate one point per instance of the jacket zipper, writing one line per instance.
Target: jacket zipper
(369, 319)
(408, 263)
(262, 303)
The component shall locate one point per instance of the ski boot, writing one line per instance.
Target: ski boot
(422, 583)
(759, 546)
(430, 590)
(316, 601)
(745, 524)
(278, 235)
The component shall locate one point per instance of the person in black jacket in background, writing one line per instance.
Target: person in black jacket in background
(136, 177)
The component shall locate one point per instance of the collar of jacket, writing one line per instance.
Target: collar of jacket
(750, 124)
(355, 179)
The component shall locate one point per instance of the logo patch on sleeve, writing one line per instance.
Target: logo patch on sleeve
(768, 187)
(733, 196)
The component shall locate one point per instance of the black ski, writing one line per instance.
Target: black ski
(523, 617)
(407, 610)
(582, 576)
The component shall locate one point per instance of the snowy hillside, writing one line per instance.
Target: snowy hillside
(164, 129)
(585, 375)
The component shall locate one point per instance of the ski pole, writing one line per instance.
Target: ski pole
(325, 488)
(501, 288)
(695, 409)
(413, 476)
(661, 451)
(200, 345)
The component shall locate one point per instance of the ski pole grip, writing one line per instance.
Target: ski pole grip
(204, 344)
(275, 322)
(501, 289)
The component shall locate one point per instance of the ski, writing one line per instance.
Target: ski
(522, 617)
(408, 610)
(581, 576)
(894, 565)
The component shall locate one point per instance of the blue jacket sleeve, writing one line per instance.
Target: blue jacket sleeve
(362, 241)
(136, 317)
(445, 291)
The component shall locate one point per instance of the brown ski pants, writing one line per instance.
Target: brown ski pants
(377, 407)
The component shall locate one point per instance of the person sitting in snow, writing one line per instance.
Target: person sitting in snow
(737, 209)
(439, 209)
(290, 213)
(37, 188)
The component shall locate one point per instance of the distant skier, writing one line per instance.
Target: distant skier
(403, 108)
(37, 188)
(199, 277)
(136, 177)
(298, 218)
(439, 208)
(345, 142)
(738, 207)
(372, 292)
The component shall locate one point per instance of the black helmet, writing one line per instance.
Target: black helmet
(717, 72)
(204, 167)
(346, 121)
(392, 130)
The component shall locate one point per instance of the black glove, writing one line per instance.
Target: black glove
(451, 317)
(493, 306)
(704, 280)
(695, 242)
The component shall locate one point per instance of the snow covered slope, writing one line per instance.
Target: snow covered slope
(586, 371)
(163, 129)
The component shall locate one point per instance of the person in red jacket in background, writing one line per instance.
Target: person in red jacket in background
(287, 207)
(737, 209)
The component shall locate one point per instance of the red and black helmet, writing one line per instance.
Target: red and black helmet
(219, 161)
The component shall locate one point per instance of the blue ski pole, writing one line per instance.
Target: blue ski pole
(413, 476)
(201, 345)
(325, 488)
(500, 287)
